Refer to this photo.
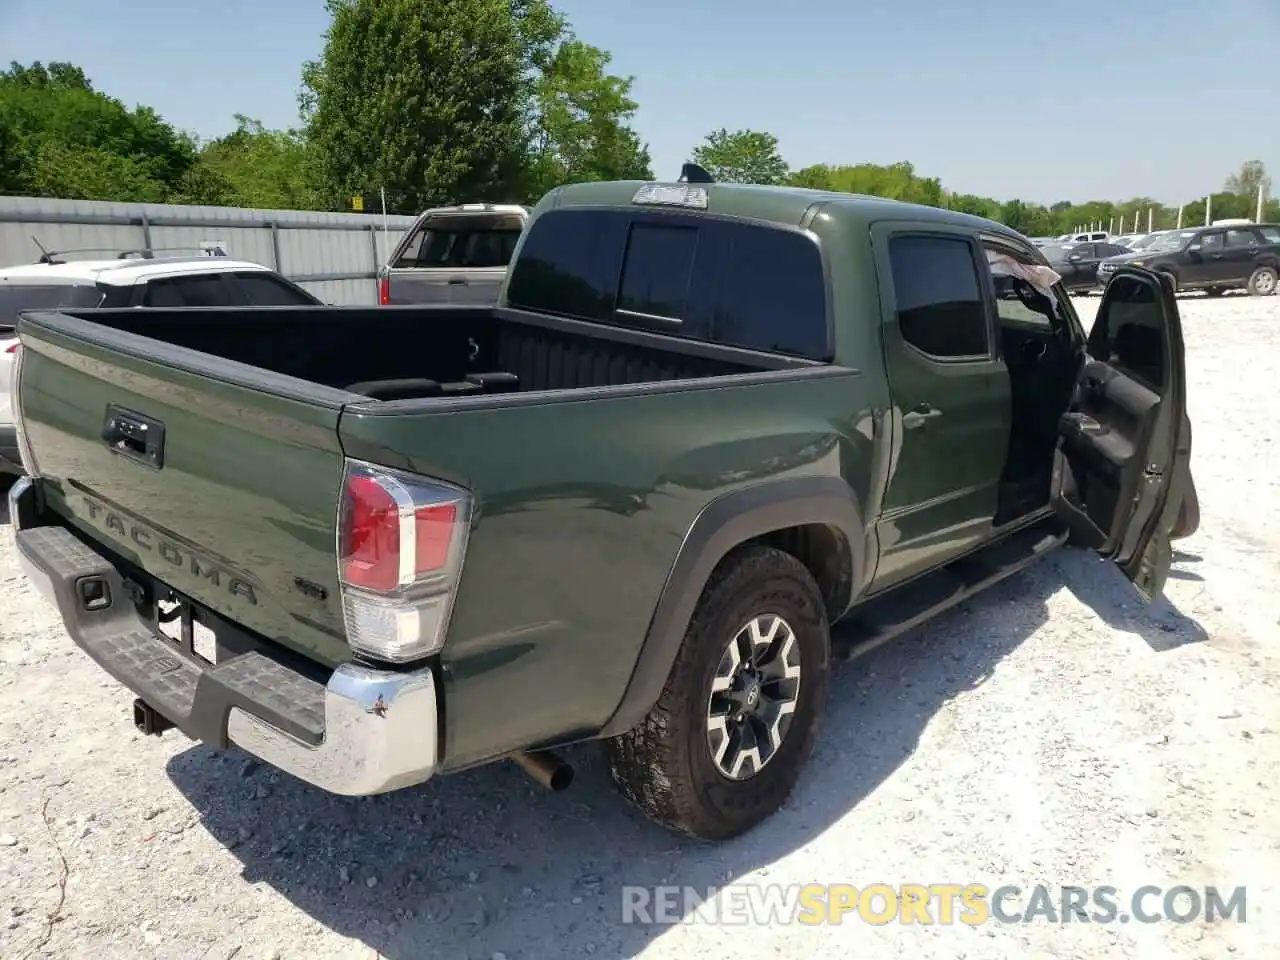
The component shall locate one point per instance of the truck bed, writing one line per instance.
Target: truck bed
(424, 351)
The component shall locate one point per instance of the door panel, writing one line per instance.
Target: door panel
(1207, 263)
(951, 400)
(1122, 466)
(1241, 251)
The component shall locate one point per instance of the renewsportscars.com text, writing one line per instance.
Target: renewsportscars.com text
(934, 903)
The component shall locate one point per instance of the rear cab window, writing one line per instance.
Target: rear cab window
(460, 241)
(729, 282)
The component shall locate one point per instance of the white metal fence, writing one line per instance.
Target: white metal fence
(334, 255)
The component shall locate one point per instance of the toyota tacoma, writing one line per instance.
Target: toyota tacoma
(703, 424)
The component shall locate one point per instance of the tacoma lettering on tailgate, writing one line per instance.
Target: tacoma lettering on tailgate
(184, 558)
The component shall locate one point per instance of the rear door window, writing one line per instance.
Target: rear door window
(17, 297)
(939, 300)
(737, 284)
(202, 291)
(1241, 238)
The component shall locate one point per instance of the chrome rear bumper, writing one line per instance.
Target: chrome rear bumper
(365, 731)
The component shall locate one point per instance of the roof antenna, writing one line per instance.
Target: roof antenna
(45, 255)
(692, 173)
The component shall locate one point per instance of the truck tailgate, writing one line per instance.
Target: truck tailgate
(219, 479)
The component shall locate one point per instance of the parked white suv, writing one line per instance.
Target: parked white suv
(127, 281)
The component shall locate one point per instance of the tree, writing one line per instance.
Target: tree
(1029, 219)
(62, 138)
(429, 99)
(744, 156)
(974, 205)
(58, 75)
(1246, 181)
(898, 181)
(582, 130)
(256, 167)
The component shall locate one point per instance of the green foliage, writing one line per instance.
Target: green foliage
(744, 156)
(257, 167)
(1029, 219)
(63, 138)
(974, 205)
(898, 181)
(581, 129)
(430, 99)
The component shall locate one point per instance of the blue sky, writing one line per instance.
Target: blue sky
(1040, 99)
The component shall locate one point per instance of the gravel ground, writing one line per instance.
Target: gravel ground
(1053, 731)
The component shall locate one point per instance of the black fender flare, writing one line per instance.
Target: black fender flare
(726, 522)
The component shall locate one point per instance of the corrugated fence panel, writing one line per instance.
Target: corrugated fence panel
(334, 255)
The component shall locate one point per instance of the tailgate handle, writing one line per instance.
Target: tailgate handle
(134, 435)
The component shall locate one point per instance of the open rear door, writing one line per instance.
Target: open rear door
(1123, 461)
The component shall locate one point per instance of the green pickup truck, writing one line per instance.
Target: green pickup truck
(703, 424)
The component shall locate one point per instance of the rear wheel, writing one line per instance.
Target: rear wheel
(1263, 282)
(724, 745)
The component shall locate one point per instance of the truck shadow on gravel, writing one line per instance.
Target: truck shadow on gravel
(485, 863)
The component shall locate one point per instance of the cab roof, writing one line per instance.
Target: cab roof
(781, 205)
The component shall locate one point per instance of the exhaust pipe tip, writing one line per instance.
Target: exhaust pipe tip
(545, 768)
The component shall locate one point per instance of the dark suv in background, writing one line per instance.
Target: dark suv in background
(1212, 259)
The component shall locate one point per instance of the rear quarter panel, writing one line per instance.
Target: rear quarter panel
(582, 506)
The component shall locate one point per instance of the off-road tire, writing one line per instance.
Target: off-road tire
(1263, 282)
(664, 765)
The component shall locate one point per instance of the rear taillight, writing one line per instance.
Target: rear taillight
(13, 347)
(384, 290)
(401, 541)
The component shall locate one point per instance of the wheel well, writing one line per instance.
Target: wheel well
(825, 553)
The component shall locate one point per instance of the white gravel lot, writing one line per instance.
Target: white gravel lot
(1053, 731)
